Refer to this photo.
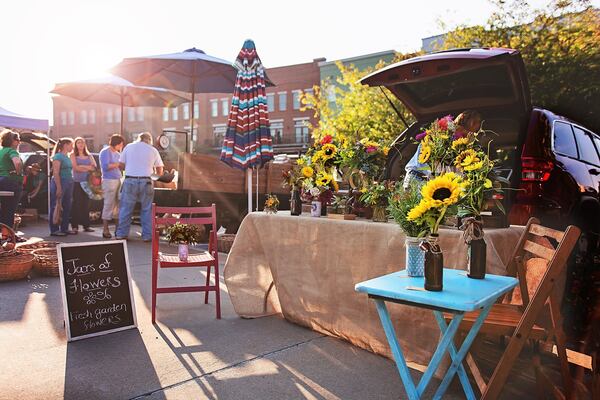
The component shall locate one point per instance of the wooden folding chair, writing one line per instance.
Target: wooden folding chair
(538, 318)
(162, 216)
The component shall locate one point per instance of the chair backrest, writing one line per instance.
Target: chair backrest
(164, 216)
(539, 249)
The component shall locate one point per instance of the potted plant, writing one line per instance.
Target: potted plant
(400, 202)
(376, 195)
(183, 235)
(342, 206)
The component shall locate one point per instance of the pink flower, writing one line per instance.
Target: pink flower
(326, 139)
(443, 122)
(421, 135)
(371, 149)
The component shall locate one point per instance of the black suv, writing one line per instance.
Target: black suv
(554, 161)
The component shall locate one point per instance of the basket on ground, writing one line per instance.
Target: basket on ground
(46, 261)
(30, 247)
(15, 266)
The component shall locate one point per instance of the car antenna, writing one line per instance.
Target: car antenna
(394, 107)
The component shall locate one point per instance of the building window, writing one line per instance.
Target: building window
(92, 117)
(225, 107)
(71, 117)
(301, 130)
(196, 109)
(277, 131)
(117, 115)
(83, 117)
(271, 102)
(140, 113)
(309, 92)
(282, 101)
(331, 94)
(219, 134)
(109, 116)
(186, 111)
(214, 108)
(165, 114)
(63, 118)
(130, 114)
(296, 99)
(174, 113)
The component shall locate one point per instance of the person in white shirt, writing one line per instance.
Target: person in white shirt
(139, 160)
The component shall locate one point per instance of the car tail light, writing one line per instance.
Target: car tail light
(535, 169)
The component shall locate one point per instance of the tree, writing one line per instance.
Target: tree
(560, 45)
(359, 111)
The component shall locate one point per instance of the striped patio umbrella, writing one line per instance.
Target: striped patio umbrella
(247, 143)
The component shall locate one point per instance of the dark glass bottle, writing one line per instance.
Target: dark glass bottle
(295, 203)
(476, 259)
(434, 264)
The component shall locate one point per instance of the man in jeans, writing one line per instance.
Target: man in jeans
(139, 160)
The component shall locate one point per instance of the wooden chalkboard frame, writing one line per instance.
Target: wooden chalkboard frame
(63, 288)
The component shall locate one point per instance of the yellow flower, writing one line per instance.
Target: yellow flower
(307, 172)
(300, 161)
(317, 156)
(487, 184)
(328, 151)
(474, 166)
(417, 211)
(336, 187)
(424, 154)
(386, 150)
(323, 179)
(460, 142)
(350, 154)
(442, 191)
(466, 157)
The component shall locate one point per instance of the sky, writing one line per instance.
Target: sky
(46, 42)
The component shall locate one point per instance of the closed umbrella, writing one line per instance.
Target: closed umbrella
(247, 143)
(116, 90)
(191, 71)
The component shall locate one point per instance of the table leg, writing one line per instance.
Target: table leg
(457, 357)
(390, 333)
(442, 347)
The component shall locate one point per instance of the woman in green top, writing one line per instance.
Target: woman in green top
(11, 175)
(61, 187)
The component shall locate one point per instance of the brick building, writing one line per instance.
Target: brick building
(96, 122)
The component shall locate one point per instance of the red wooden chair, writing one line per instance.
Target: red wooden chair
(210, 259)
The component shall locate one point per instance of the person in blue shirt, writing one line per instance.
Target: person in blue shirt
(61, 188)
(111, 180)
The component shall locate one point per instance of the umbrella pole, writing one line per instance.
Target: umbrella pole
(257, 175)
(122, 100)
(48, 173)
(188, 141)
(249, 183)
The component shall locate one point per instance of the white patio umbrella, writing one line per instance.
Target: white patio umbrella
(119, 91)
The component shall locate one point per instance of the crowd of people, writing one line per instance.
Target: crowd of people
(126, 180)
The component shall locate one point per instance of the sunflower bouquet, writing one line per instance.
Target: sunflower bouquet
(364, 162)
(271, 204)
(298, 173)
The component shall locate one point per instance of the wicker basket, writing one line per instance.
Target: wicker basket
(31, 247)
(46, 261)
(224, 242)
(15, 266)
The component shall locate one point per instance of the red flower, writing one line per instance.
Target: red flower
(327, 139)
(371, 149)
(443, 124)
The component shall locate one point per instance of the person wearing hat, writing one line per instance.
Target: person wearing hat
(11, 175)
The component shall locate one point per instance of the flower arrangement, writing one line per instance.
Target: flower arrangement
(179, 233)
(377, 193)
(435, 141)
(400, 202)
(364, 162)
(271, 204)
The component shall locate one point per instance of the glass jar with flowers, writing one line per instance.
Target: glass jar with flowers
(183, 235)
(376, 195)
(271, 204)
(400, 202)
(439, 198)
(294, 178)
(363, 162)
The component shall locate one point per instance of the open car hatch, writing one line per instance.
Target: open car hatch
(452, 81)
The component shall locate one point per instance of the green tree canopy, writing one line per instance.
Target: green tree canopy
(560, 45)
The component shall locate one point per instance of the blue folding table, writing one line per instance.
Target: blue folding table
(460, 294)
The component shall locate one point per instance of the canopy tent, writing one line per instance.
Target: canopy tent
(9, 119)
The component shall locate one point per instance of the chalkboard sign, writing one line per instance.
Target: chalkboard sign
(96, 288)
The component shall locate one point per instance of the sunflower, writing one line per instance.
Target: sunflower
(417, 211)
(474, 166)
(424, 154)
(308, 172)
(466, 157)
(442, 191)
(460, 143)
(317, 156)
(323, 179)
(328, 150)
(300, 161)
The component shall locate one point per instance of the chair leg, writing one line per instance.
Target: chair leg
(207, 283)
(218, 290)
(154, 286)
(539, 377)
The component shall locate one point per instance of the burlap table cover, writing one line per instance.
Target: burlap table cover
(314, 264)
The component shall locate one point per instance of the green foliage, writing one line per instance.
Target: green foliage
(179, 233)
(400, 202)
(359, 111)
(560, 45)
(377, 193)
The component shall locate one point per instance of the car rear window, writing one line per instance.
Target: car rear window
(564, 141)
(486, 82)
(586, 147)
